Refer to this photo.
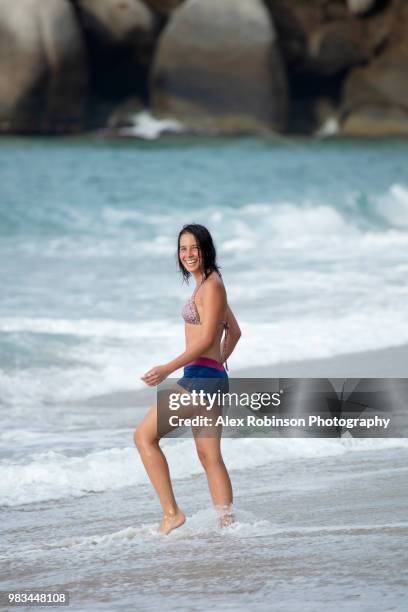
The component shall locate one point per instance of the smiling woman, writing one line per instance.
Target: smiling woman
(206, 316)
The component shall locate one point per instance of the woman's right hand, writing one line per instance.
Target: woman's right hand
(156, 375)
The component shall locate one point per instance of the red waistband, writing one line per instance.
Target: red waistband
(207, 361)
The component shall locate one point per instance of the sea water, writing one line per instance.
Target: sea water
(312, 239)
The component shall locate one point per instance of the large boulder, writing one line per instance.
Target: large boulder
(319, 38)
(335, 46)
(375, 100)
(375, 97)
(218, 68)
(358, 7)
(321, 41)
(376, 122)
(117, 21)
(43, 67)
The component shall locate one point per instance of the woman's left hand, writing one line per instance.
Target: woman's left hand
(155, 376)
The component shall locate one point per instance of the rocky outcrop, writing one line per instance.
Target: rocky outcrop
(322, 43)
(218, 68)
(121, 37)
(375, 97)
(335, 46)
(359, 7)
(322, 37)
(43, 67)
(164, 7)
(116, 22)
(376, 121)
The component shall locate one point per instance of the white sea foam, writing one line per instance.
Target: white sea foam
(393, 206)
(148, 127)
(298, 339)
(289, 221)
(107, 355)
(99, 328)
(283, 222)
(330, 127)
(52, 476)
(201, 523)
(108, 539)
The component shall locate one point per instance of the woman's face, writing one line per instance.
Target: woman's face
(189, 253)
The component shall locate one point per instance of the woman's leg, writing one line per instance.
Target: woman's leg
(147, 443)
(219, 483)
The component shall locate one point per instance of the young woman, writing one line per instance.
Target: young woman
(206, 315)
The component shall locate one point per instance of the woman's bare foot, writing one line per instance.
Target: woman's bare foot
(226, 520)
(225, 515)
(171, 521)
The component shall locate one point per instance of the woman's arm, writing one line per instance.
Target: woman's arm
(214, 299)
(234, 334)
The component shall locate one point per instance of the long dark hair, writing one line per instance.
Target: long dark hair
(207, 250)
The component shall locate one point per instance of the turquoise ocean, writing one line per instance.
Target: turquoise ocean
(312, 239)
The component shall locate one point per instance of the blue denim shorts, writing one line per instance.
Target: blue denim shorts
(205, 374)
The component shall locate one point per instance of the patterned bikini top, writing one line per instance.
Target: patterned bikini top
(191, 315)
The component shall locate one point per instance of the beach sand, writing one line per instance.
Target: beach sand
(384, 363)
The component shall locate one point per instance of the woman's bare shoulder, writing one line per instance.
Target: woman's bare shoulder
(214, 285)
(214, 280)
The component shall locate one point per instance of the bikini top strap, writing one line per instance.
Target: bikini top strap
(226, 329)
